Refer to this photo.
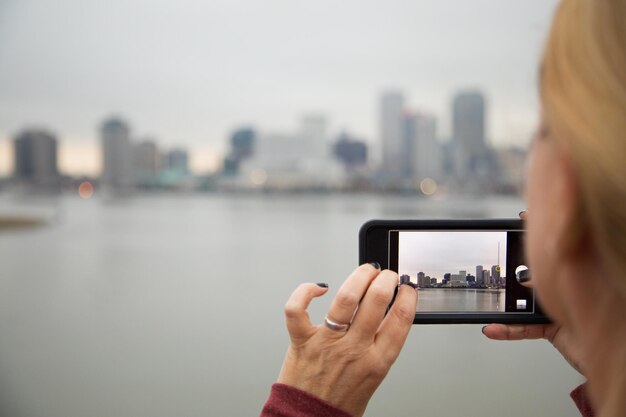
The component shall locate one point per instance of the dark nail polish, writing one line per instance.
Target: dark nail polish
(404, 280)
(375, 265)
(483, 329)
(322, 284)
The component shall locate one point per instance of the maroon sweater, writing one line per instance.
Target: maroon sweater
(287, 401)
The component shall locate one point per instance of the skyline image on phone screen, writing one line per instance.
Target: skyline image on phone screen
(461, 271)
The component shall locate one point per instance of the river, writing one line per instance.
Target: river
(172, 306)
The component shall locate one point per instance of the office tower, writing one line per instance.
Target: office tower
(408, 146)
(279, 151)
(459, 280)
(116, 154)
(351, 152)
(393, 139)
(421, 279)
(36, 158)
(242, 143)
(146, 163)
(420, 156)
(486, 277)
(177, 160)
(479, 274)
(426, 153)
(468, 133)
(313, 133)
(495, 275)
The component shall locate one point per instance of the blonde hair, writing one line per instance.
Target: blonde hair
(583, 90)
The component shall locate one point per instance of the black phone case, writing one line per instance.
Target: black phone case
(374, 247)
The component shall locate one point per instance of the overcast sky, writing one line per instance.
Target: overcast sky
(188, 72)
(437, 253)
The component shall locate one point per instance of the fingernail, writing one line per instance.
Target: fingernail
(322, 284)
(405, 280)
(522, 212)
(375, 265)
(483, 329)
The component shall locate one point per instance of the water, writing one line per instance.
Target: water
(473, 300)
(172, 306)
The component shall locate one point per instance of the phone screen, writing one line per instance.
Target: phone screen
(463, 271)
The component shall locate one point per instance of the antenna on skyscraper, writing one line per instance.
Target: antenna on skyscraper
(498, 253)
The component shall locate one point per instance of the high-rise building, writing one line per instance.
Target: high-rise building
(495, 275)
(479, 274)
(421, 280)
(177, 160)
(36, 158)
(242, 143)
(404, 278)
(313, 133)
(427, 160)
(486, 277)
(408, 147)
(392, 136)
(117, 173)
(146, 163)
(351, 152)
(420, 157)
(468, 134)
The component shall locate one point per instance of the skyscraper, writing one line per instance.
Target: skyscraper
(480, 279)
(486, 277)
(117, 154)
(427, 161)
(242, 143)
(495, 275)
(177, 160)
(146, 163)
(36, 158)
(391, 133)
(313, 133)
(468, 133)
(351, 152)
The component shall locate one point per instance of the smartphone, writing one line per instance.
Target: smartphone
(466, 271)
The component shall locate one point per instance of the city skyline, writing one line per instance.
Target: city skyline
(417, 155)
(441, 252)
(191, 83)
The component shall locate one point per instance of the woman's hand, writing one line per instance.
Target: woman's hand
(344, 367)
(560, 337)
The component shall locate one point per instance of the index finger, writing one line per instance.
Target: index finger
(397, 323)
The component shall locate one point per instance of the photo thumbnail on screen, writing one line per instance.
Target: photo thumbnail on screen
(462, 271)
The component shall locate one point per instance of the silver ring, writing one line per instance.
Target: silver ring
(338, 327)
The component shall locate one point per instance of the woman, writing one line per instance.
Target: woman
(576, 244)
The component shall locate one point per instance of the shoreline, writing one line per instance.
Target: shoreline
(9, 222)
